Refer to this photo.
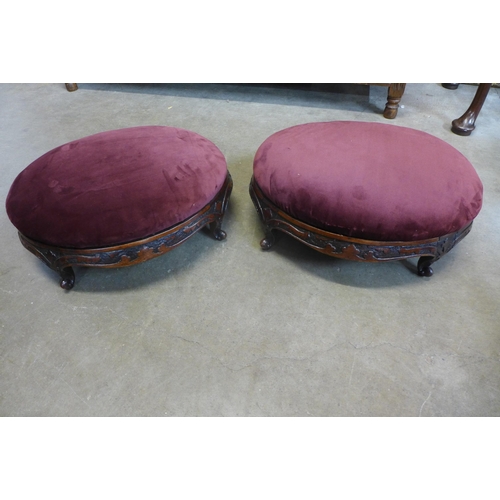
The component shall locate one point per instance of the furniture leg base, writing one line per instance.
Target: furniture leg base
(394, 94)
(466, 123)
(424, 266)
(460, 129)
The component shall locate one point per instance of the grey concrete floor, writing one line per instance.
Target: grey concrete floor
(223, 328)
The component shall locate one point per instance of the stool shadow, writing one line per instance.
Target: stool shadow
(347, 272)
(160, 269)
(341, 96)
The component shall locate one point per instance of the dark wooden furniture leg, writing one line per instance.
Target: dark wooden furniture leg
(465, 124)
(394, 95)
(71, 87)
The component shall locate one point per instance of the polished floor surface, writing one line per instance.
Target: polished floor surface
(224, 328)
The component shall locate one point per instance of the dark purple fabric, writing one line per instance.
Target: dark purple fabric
(115, 187)
(369, 180)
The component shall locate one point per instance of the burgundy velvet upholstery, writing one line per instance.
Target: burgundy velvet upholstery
(115, 187)
(369, 180)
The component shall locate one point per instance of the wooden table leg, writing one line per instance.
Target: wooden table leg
(465, 124)
(71, 87)
(394, 95)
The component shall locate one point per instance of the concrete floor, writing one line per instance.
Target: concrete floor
(223, 328)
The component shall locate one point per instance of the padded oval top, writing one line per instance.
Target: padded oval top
(372, 181)
(116, 187)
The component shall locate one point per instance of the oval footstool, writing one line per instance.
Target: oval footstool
(365, 191)
(119, 198)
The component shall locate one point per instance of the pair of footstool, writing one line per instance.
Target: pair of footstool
(354, 190)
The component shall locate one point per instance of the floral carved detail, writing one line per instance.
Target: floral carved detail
(344, 247)
(61, 259)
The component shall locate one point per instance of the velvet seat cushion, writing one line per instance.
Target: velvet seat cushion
(115, 187)
(369, 180)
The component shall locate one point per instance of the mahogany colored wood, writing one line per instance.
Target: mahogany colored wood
(61, 260)
(344, 247)
(71, 87)
(466, 123)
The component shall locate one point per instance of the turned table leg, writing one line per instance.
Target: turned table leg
(465, 124)
(394, 95)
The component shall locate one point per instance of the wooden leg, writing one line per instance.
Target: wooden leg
(216, 229)
(71, 87)
(394, 95)
(67, 278)
(465, 124)
(269, 240)
(424, 266)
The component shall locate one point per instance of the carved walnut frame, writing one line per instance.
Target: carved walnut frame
(344, 247)
(61, 260)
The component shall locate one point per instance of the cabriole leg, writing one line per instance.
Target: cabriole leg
(466, 123)
(216, 229)
(269, 240)
(424, 266)
(67, 277)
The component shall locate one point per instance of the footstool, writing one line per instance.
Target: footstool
(365, 191)
(119, 198)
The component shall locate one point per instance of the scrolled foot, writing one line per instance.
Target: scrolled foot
(217, 232)
(424, 266)
(268, 241)
(266, 244)
(67, 278)
(427, 272)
